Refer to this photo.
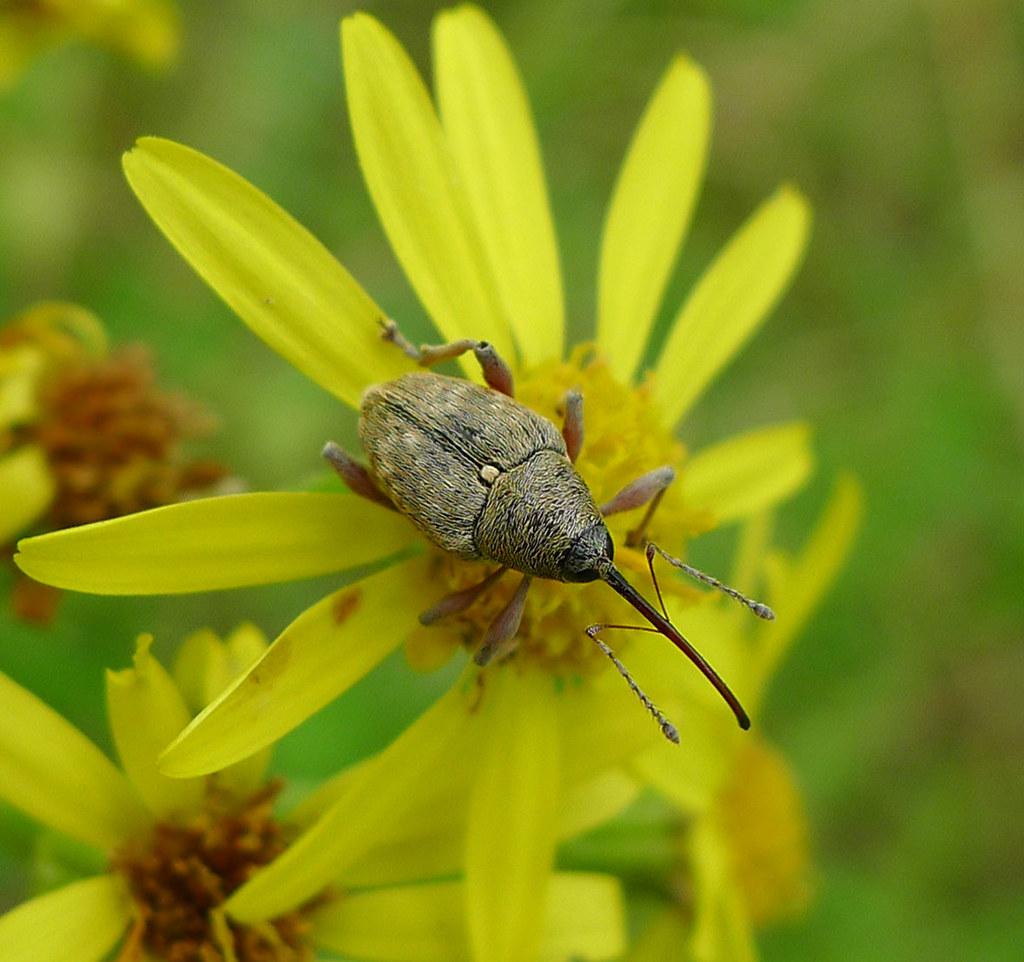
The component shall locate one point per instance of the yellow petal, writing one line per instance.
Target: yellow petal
(146, 712)
(145, 29)
(649, 212)
(426, 923)
(80, 921)
(414, 186)
(325, 651)
(490, 131)
(586, 806)
(513, 807)
(722, 930)
(749, 472)
(211, 543)
(50, 770)
(278, 278)
(814, 570)
(19, 375)
(732, 298)
(387, 789)
(26, 490)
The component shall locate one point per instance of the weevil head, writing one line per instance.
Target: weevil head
(589, 555)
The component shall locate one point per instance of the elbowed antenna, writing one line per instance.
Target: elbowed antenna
(612, 576)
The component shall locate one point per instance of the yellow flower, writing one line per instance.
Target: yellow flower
(176, 849)
(462, 198)
(745, 860)
(146, 30)
(85, 433)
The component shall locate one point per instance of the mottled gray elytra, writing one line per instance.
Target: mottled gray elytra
(486, 478)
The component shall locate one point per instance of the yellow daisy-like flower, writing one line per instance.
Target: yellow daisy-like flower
(176, 849)
(745, 861)
(85, 433)
(461, 195)
(146, 30)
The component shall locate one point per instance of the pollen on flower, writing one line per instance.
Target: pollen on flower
(624, 437)
(762, 816)
(183, 871)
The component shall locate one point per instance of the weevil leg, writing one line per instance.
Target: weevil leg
(459, 600)
(572, 423)
(759, 608)
(497, 373)
(667, 728)
(501, 633)
(355, 476)
(648, 487)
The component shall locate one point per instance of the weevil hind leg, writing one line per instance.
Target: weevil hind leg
(458, 601)
(572, 424)
(357, 479)
(497, 373)
(648, 489)
(500, 639)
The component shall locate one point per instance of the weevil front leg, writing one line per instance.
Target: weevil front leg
(497, 373)
(572, 423)
(648, 487)
(357, 479)
(500, 639)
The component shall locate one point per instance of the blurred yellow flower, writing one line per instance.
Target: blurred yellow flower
(745, 859)
(85, 433)
(146, 30)
(176, 849)
(461, 195)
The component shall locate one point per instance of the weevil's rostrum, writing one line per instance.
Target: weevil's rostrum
(487, 479)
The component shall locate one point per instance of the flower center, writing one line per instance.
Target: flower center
(184, 871)
(112, 440)
(624, 438)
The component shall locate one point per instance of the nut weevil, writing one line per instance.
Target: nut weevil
(488, 479)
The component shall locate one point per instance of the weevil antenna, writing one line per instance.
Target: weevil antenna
(667, 728)
(610, 574)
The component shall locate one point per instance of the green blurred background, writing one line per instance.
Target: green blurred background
(901, 341)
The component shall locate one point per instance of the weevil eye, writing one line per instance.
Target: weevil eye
(609, 548)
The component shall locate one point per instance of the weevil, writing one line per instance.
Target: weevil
(488, 479)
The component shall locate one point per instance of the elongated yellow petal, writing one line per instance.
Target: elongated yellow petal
(81, 921)
(732, 298)
(50, 770)
(586, 806)
(211, 543)
(489, 128)
(146, 712)
(325, 651)
(414, 186)
(649, 212)
(426, 923)
(26, 490)
(386, 790)
(510, 836)
(722, 928)
(270, 270)
(815, 569)
(749, 472)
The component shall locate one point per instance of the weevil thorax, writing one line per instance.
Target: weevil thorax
(540, 518)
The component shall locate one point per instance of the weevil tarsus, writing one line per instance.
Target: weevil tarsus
(497, 373)
(759, 608)
(357, 479)
(667, 728)
(500, 638)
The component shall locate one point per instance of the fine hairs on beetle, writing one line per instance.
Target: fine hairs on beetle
(488, 479)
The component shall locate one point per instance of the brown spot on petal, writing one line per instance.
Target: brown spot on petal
(346, 605)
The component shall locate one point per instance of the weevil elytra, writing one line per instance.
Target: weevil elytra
(488, 479)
